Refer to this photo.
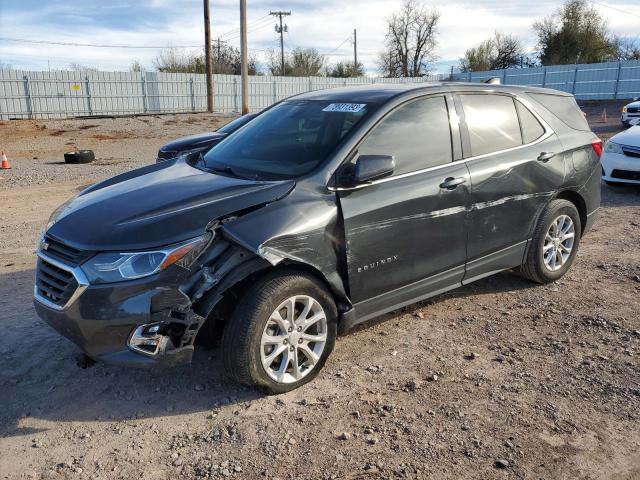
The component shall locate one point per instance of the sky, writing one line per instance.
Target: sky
(326, 25)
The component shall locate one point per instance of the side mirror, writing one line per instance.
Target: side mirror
(373, 167)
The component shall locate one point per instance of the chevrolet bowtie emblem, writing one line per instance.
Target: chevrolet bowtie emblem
(44, 245)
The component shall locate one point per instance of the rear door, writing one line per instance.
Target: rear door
(406, 234)
(516, 165)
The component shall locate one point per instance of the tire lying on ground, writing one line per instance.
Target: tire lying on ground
(81, 156)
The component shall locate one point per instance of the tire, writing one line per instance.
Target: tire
(81, 156)
(534, 267)
(244, 354)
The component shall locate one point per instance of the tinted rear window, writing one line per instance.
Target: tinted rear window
(492, 123)
(565, 108)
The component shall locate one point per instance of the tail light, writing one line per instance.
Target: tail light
(596, 143)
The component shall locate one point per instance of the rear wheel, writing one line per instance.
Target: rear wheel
(554, 244)
(281, 333)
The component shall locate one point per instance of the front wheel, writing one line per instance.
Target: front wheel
(281, 333)
(554, 244)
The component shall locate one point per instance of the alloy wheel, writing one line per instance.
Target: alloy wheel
(558, 243)
(293, 339)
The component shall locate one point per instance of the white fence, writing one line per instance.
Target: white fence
(595, 81)
(62, 94)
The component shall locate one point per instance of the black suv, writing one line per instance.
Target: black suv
(326, 210)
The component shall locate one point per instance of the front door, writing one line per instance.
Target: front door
(406, 234)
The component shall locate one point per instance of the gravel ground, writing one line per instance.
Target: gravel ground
(36, 148)
(499, 379)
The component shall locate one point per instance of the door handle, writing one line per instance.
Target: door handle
(450, 183)
(546, 156)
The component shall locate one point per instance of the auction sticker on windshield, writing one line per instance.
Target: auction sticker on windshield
(344, 107)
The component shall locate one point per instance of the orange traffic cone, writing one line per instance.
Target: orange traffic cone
(5, 163)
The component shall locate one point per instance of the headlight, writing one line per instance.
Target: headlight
(612, 147)
(624, 109)
(108, 267)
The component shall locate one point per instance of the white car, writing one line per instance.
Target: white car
(621, 157)
(631, 113)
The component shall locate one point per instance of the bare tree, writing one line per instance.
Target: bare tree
(629, 48)
(500, 51)
(410, 41)
(226, 59)
(136, 66)
(300, 62)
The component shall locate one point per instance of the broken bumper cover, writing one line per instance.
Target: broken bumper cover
(103, 319)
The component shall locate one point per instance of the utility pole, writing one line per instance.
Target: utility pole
(244, 68)
(355, 50)
(280, 29)
(218, 57)
(207, 55)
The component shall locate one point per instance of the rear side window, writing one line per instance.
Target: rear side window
(417, 134)
(531, 128)
(492, 123)
(565, 108)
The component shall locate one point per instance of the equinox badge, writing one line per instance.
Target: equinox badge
(377, 263)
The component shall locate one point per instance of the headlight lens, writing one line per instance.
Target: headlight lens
(109, 267)
(624, 109)
(612, 147)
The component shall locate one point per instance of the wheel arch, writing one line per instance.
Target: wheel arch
(218, 303)
(578, 201)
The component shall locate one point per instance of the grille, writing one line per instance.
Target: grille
(633, 109)
(55, 284)
(631, 151)
(67, 254)
(626, 175)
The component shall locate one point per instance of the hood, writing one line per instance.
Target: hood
(633, 104)
(193, 141)
(156, 205)
(629, 137)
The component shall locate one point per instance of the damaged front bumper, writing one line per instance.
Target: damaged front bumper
(142, 323)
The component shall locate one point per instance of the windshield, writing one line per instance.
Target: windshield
(234, 125)
(286, 141)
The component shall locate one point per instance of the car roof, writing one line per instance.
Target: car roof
(383, 92)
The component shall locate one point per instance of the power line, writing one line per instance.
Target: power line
(234, 31)
(251, 29)
(95, 45)
(618, 9)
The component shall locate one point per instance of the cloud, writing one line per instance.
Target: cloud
(324, 25)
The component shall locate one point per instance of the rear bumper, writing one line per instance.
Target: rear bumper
(102, 320)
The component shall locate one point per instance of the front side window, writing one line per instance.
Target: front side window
(287, 141)
(492, 123)
(417, 134)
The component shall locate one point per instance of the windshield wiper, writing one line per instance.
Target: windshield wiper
(231, 171)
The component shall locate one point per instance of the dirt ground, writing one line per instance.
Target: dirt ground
(500, 379)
